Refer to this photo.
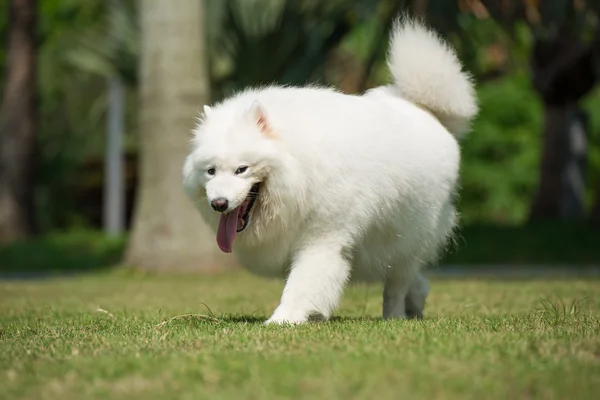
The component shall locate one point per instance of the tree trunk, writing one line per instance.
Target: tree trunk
(563, 73)
(573, 206)
(419, 8)
(595, 215)
(547, 202)
(168, 234)
(561, 192)
(18, 124)
(113, 209)
(114, 180)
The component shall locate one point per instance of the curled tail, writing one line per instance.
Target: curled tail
(428, 73)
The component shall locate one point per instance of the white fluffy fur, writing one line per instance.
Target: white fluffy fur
(353, 187)
(428, 73)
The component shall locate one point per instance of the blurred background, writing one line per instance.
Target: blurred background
(99, 98)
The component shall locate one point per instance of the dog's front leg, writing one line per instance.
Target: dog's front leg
(314, 286)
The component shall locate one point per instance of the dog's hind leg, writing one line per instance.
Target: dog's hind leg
(416, 297)
(404, 294)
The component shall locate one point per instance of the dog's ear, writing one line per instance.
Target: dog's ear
(200, 119)
(259, 117)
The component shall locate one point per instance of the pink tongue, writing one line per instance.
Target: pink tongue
(227, 230)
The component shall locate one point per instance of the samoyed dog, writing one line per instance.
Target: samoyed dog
(325, 188)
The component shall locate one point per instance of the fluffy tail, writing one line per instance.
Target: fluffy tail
(428, 73)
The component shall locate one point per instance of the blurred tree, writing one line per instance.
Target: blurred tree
(595, 215)
(500, 158)
(565, 63)
(418, 8)
(72, 107)
(18, 124)
(106, 49)
(114, 190)
(387, 13)
(296, 36)
(110, 45)
(334, 42)
(109, 48)
(173, 85)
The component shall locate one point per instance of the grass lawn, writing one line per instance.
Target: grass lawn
(114, 335)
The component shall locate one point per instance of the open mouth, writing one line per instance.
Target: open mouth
(246, 207)
(236, 221)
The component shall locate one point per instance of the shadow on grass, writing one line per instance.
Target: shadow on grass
(243, 319)
(199, 320)
(61, 253)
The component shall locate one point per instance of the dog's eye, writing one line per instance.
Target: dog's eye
(241, 169)
(211, 171)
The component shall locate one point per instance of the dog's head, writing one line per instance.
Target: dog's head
(227, 172)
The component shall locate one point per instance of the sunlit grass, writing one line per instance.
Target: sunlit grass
(121, 337)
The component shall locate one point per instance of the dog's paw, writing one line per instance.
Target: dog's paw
(283, 321)
(287, 317)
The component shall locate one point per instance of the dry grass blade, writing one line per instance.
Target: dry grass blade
(188, 316)
(104, 312)
(209, 310)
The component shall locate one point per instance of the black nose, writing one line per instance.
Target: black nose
(219, 204)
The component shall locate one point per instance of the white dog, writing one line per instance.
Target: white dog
(324, 187)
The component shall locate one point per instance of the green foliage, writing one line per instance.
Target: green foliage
(110, 46)
(591, 105)
(276, 41)
(501, 155)
(72, 97)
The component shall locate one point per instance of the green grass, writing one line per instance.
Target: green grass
(546, 245)
(114, 335)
